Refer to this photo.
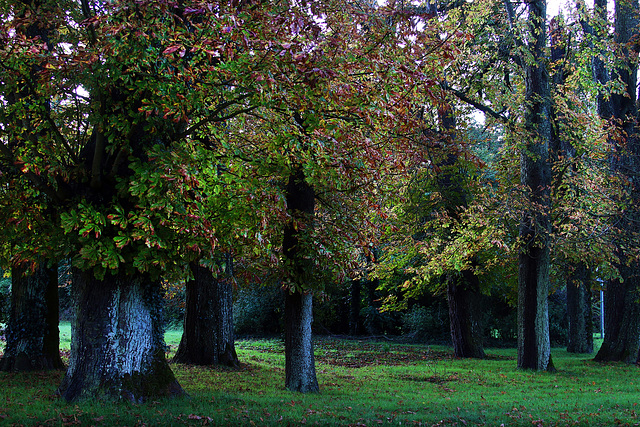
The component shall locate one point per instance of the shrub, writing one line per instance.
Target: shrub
(257, 311)
(427, 323)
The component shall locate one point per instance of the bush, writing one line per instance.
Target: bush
(427, 323)
(257, 311)
(500, 322)
(331, 310)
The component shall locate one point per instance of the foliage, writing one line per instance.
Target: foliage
(174, 303)
(427, 324)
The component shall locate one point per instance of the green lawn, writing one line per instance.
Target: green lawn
(362, 383)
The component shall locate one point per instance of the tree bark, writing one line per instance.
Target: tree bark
(300, 369)
(208, 338)
(534, 347)
(579, 311)
(465, 299)
(33, 338)
(117, 348)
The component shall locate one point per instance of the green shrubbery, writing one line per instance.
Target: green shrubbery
(427, 324)
(257, 311)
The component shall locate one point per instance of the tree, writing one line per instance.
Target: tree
(85, 167)
(32, 332)
(580, 334)
(298, 314)
(534, 348)
(463, 287)
(336, 109)
(563, 157)
(622, 309)
(207, 337)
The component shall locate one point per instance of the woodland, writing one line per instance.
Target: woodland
(337, 165)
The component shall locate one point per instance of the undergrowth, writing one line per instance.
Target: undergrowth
(362, 383)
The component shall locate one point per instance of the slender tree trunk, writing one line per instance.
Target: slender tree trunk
(465, 299)
(117, 348)
(300, 369)
(33, 338)
(208, 337)
(579, 311)
(534, 347)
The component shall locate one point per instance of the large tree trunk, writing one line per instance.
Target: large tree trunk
(300, 368)
(117, 347)
(534, 347)
(465, 299)
(622, 306)
(579, 311)
(33, 338)
(207, 338)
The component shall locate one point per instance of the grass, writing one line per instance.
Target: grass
(362, 383)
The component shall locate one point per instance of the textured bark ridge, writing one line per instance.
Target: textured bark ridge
(33, 337)
(300, 369)
(579, 311)
(117, 348)
(208, 337)
(465, 300)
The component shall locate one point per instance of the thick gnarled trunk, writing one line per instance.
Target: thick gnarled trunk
(300, 371)
(117, 348)
(465, 300)
(579, 311)
(207, 338)
(33, 338)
